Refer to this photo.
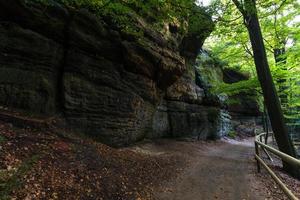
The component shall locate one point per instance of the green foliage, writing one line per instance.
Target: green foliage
(280, 26)
(198, 23)
(247, 86)
(124, 13)
(208, 72)
(232, 134)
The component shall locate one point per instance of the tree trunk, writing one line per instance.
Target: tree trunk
(266, 124)
(284, 143)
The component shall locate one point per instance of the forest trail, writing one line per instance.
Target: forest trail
(48, 163)
(215, 173)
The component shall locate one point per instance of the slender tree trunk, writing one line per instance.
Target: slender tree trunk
(266, 123)
(248, 9)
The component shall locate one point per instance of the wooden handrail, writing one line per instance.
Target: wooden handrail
(283, 156)
(287, 158)
(276, 179)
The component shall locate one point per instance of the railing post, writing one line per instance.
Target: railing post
(257, 153)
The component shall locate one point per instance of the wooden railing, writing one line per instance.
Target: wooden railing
(289, 159)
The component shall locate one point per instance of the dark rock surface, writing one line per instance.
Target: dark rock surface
(30, 64)
(233, 76)
(120, 89)
(180, 119)
(245, 103)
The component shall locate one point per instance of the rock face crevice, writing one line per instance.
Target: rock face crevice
(102, 81)
(60, 100)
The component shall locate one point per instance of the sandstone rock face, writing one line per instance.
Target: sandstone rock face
(192, 109)
(27, 82)
(182, 119)
(245, 109)
(57, 61)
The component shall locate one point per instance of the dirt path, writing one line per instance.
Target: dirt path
(56, 164)
(221, 170)
(221, 173)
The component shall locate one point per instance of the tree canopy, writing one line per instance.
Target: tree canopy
(280, 26)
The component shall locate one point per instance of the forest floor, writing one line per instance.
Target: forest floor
(54, 164)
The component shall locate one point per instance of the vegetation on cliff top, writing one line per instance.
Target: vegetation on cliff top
(185, 16)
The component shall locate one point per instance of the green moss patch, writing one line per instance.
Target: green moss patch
(2, 139)
(10, 182)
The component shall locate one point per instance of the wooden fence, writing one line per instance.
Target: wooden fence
(289, 159)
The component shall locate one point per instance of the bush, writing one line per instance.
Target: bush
(232, 134)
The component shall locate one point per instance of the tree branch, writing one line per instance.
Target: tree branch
(229, 21)
(270, 49)
(248, 50)
(239, 7)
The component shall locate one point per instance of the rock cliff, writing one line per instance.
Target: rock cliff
(120, 88)
(244, 110)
